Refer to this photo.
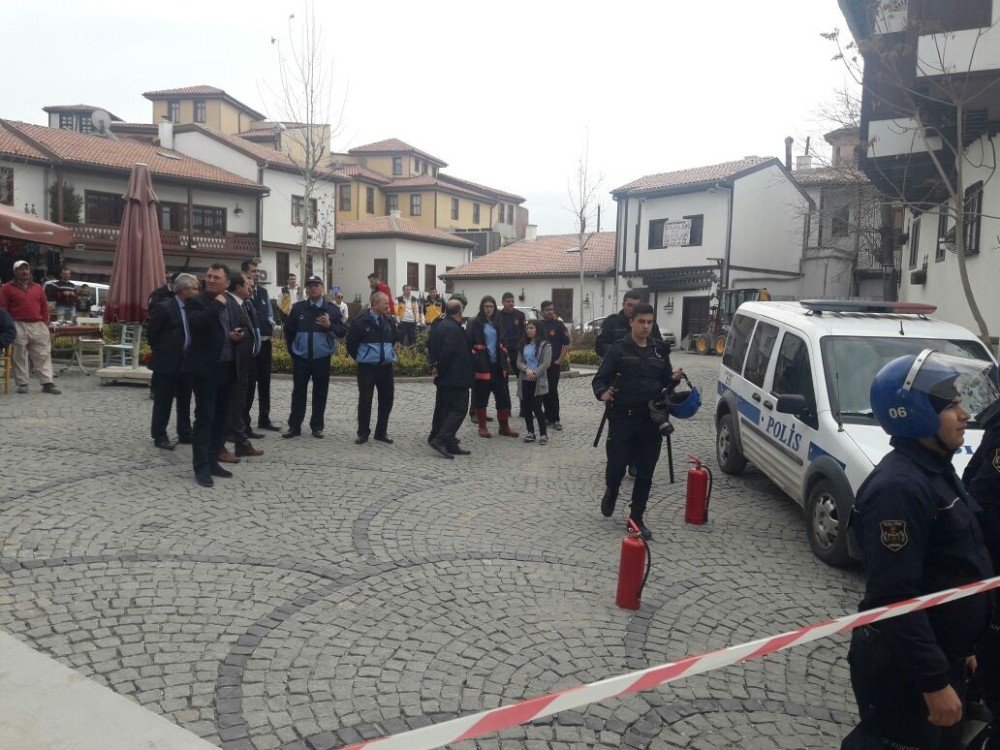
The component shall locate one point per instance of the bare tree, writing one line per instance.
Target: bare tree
(305, 115)
(929, 99)
(585, 206)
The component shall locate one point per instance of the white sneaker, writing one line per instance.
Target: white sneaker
(529, 438)
(543, 440)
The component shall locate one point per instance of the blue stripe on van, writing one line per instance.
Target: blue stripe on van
(815, 452)
(743, 406)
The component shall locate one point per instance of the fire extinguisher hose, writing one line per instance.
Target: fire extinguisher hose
(711, 484)
(649, 565)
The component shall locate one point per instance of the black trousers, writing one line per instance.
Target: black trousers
(407, 333)
(304, 370)
(450, 405)
(237, 424)
(226, 379)
(370, 378)
(552, 397)
(633, 440)
(261, 385)
(532, 406)
(204, 388)
(168, 387)
(891, 705)
(497, 385)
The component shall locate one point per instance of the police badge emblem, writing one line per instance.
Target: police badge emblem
(893, 535)
(996, 459)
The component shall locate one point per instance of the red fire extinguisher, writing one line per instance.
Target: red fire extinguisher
(699, 490)
(631, 579)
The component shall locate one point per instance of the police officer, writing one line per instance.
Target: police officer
(635, 370)
(616, 326)
(919, 532)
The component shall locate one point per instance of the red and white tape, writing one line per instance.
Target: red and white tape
(488, 722)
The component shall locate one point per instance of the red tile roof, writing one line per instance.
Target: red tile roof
(211, 92)
(548, 255)
(388, 226)
(119, 154)
(362, 173)
(829, 176)
(502, 195)
(394, 146)
(271, 125)
(12, 145)
(693, 177)
(434, 183)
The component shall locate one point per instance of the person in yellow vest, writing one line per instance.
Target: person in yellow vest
(408, 316)
(433, 306)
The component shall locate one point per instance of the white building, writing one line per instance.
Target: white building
(399, 250)
(680, 234)
(545, 268)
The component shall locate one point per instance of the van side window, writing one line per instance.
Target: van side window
(793, 375)
(760, 353)
(739, 340)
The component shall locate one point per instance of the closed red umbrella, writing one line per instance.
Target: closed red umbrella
(138, 267)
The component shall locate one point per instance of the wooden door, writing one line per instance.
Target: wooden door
(563, 301)
(695, 315)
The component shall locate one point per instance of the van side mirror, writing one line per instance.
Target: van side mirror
(791, 403)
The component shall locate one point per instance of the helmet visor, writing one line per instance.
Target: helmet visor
(945, 378)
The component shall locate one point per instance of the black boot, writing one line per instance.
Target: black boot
(608, 502)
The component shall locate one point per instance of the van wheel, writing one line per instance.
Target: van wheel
(731, 460)
(826, 523)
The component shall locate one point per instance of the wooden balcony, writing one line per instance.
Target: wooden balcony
(97, 237)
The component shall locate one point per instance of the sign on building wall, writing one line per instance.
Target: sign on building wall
(676, 233)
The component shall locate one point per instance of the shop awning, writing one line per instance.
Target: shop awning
(21, 226)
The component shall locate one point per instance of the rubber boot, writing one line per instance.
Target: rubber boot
(481, 418)
(503, 417)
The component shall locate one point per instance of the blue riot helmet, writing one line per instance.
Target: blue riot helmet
(909, 393)
(684, 404)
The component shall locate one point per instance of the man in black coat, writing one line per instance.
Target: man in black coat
(371, 341)
(201, 364)
(240, 317)
(617, 326)
(261, 383)
(448, 350)
(169, 336)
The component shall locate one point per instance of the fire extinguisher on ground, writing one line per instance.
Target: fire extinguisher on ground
(631, 578)
(699, 491)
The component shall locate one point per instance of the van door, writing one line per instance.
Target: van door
(790, 435)
(754, 398)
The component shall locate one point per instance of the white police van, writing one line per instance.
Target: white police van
(794, 399)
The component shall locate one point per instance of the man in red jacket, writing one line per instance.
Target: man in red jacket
(26, 303)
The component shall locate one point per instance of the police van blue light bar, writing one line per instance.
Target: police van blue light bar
(856, 306)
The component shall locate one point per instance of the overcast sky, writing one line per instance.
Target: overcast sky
(505, 92)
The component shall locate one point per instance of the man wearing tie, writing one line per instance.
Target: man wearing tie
(239, 318)
(311, 330)
(169, 337)
(261, 383)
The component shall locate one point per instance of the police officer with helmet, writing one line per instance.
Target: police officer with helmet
(919, 532)
(635, 370)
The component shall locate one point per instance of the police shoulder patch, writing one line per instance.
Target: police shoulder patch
(996, 459)
(892, 535)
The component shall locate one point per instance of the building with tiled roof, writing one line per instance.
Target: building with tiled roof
(393, 226)
(78, 117)
(740, 224)
(545, 268)
(391, 146)
(204, 105)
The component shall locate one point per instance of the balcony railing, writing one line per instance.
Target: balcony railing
(226, 245)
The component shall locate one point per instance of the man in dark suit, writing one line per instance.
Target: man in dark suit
(449, 351)
(202, 365)
(169, 336)
(236, 319)
(261, 383)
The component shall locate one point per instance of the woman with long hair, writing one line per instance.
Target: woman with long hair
(533, 359)
(489, 357)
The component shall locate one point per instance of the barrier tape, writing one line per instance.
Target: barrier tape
(493, 720)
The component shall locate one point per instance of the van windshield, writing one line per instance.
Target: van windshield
(851, 363)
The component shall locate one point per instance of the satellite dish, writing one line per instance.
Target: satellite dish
(102, 121)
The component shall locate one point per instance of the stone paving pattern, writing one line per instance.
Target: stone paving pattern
(332, 592)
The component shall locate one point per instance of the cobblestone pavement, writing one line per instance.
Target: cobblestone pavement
(331, 592)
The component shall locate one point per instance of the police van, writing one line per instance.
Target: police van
(794, 399)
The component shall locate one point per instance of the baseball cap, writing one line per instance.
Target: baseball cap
(20, 263)
(314, 280)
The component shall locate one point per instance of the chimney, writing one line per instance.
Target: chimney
(531, 233)
(166, 134)
(788, 152)
(803, 162)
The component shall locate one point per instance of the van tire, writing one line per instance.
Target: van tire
(826, 514)
(731, 459)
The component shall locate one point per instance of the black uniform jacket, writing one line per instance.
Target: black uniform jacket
(364, 330)
(645, 371)
(511, 329)
(982, 480)
(207, 336)
(481, 364)
(614, 328)
(166, 337)
(262, 307)
(448, 349)
(919, 532)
